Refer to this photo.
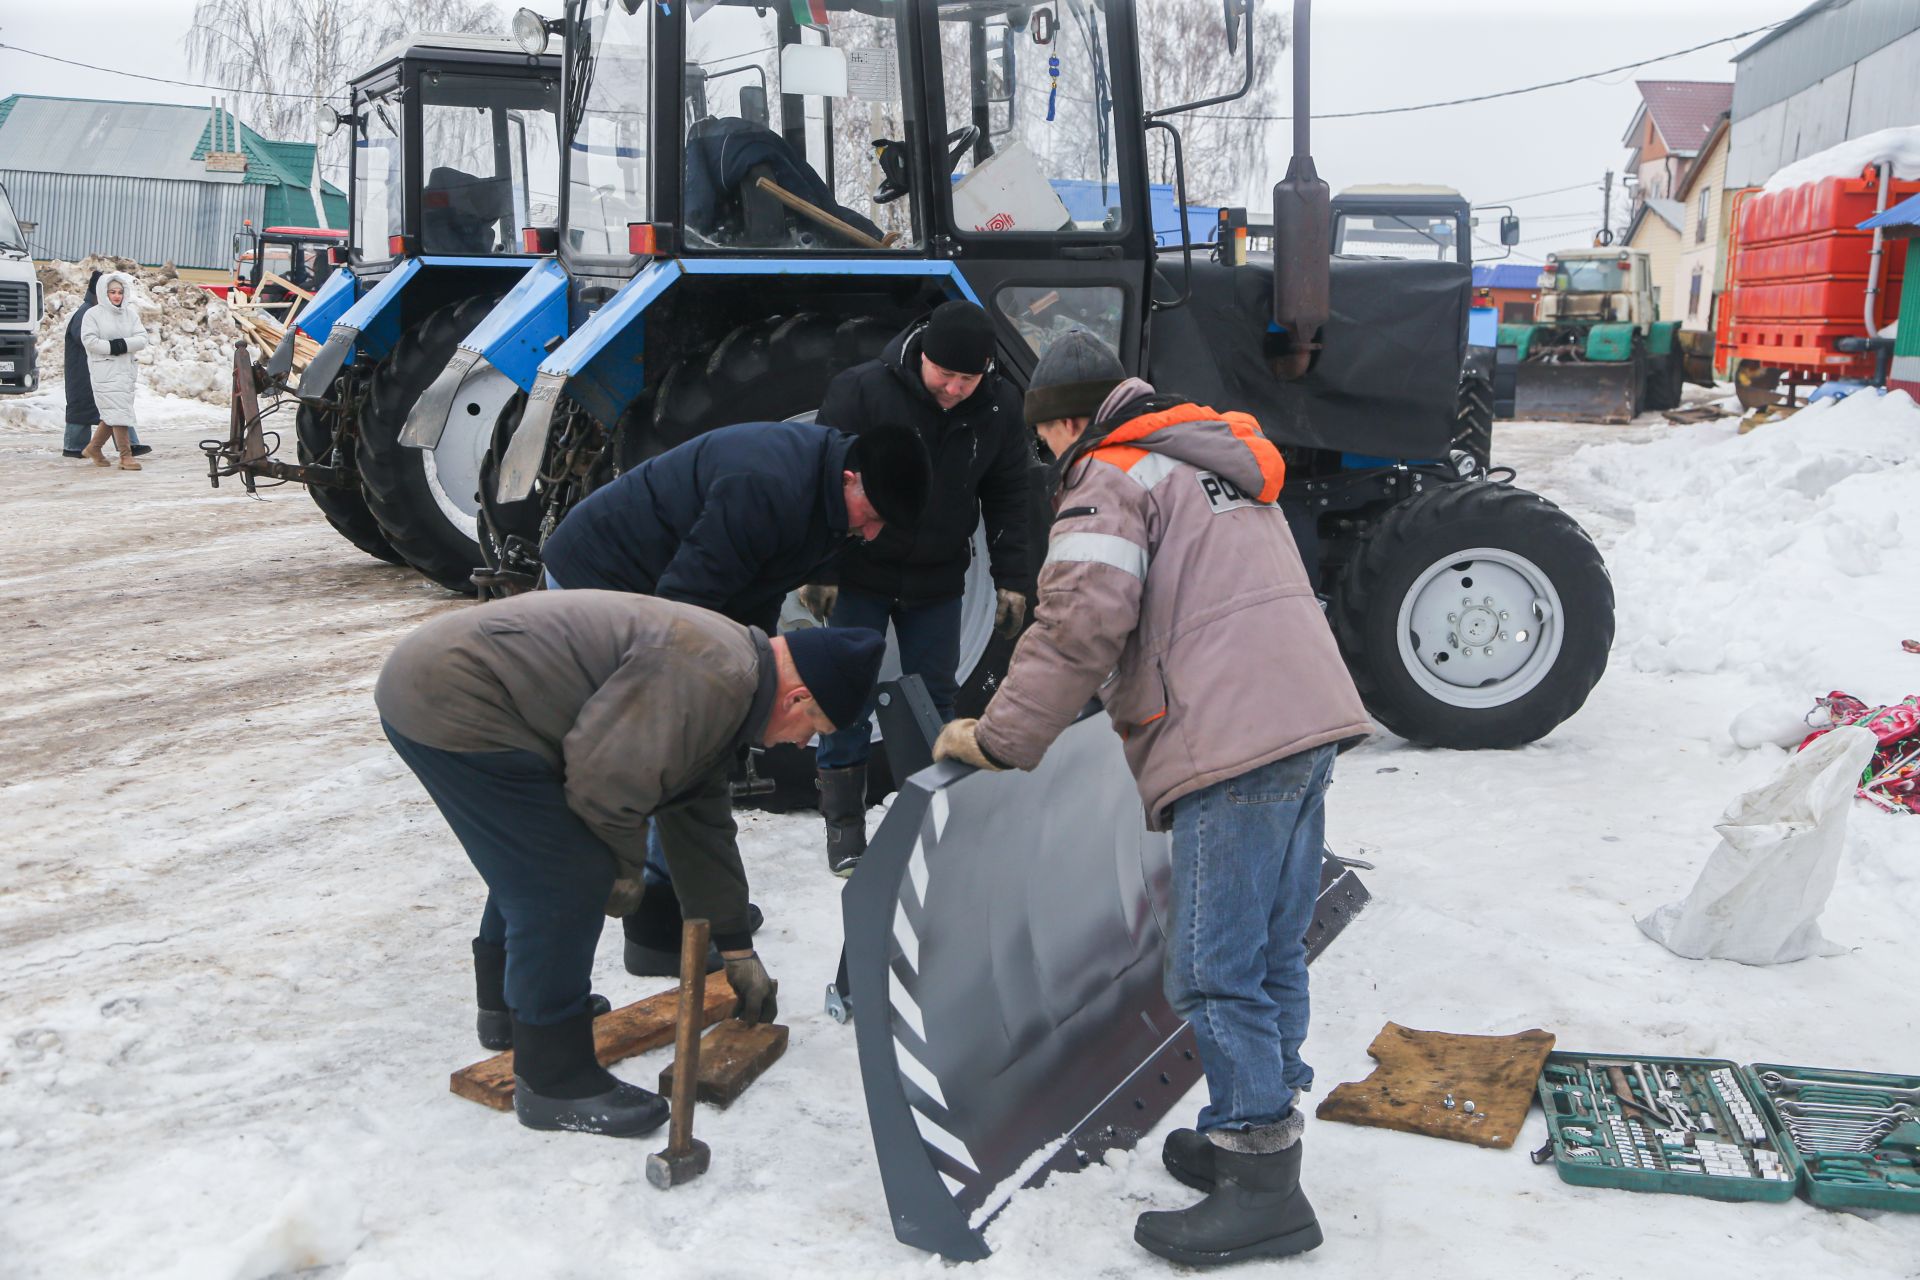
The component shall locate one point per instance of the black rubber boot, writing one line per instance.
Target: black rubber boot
(653, 935)
(1189, 1158)
(558, 1084)
(493, 1022)
(1256, 1210)
(843, 802)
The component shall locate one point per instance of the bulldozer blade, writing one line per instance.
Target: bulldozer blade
(1592, 392)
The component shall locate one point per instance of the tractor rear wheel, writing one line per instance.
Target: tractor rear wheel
(1473, 419)
(1474, 615)
(345, 509)
(424, 499)
(1666, 376)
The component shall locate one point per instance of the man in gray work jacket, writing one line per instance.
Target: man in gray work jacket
(550, 729)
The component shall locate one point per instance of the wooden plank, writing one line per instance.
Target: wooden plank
(732, 1056)
(804, 206)
(631, 1029)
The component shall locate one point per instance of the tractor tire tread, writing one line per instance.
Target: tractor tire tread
(345, 510)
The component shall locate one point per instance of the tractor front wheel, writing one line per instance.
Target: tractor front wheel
(345, 509)
(1474, 615)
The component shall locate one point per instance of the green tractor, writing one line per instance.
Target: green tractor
(1597, 350)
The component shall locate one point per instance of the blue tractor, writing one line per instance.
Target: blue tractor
(757, 196)
(455, 157)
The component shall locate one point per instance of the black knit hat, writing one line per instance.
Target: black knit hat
(893, 468)
(839, 666)
(1074, 376)
(959, 337)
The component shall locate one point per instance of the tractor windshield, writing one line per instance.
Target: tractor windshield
(1586, 275)
(609, 88)
(379, 187)
(1421, 237)
(489, 160)
(796, 127)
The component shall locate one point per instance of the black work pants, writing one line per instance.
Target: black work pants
(547, 874)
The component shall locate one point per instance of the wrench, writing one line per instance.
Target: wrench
(1777, 1083)
(1900, 1113)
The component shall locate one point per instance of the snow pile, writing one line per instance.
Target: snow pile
(1900, 145)
(1785, 556)
(191, 353)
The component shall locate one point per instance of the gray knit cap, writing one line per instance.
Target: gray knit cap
(1074, 375)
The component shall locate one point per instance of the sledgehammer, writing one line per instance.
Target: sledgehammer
(685, 1157)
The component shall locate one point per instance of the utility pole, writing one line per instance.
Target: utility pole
(1606, 210)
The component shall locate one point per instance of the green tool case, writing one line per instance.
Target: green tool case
(1708, 1127)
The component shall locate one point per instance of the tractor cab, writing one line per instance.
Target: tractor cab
(1403, 220)
(271, 263)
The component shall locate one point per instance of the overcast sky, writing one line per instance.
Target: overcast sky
(1367, 54)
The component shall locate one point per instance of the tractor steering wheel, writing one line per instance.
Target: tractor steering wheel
(957, 143)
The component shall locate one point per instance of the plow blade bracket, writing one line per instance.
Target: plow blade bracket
(1004, 939)
(1594, 392)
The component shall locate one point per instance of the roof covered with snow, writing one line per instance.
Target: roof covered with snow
(1684, 111)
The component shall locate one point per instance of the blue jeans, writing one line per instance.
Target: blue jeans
(1246, 871)
(78, 433)
(928, 636)
(547, 874)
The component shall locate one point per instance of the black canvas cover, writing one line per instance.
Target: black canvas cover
(1386, 382)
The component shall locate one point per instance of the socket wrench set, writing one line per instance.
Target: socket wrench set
(1707, 1127)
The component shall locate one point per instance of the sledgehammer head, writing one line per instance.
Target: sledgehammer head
(670, 1168)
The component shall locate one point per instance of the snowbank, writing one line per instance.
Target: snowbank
(1900, 145)
(191, 353)
(1784, 556)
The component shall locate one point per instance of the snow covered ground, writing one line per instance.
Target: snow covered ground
(234, 932)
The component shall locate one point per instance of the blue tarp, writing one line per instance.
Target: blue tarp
(1088, 201)
(1506, 275)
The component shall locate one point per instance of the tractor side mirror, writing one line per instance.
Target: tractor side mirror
(1000, 69)
(753, 105)
(1302, 262)
(1509, 230)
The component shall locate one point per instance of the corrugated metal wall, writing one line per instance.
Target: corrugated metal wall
(1838, 36)
(1879, 91)
(151, 220)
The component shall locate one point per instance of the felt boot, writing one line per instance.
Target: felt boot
(843, 802)
(653, 935)
(1255, 1210)
(559, 1084)
(124, 449)
(493, 1022)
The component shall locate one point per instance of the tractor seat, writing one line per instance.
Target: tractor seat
(726, 158)
(460, 212)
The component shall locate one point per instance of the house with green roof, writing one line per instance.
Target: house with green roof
(154, 182)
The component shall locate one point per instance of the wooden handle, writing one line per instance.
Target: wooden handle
(819, 215)
(686, 1043)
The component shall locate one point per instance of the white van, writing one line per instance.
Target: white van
(20, 306)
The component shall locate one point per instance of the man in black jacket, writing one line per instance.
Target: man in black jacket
(82, 415)
(938, 378)
(731, 521)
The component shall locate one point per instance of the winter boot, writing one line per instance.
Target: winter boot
(653, 935)
(493, 1022)
(1189, 1158)
(1255, 1210)
(559, 1084)
(843, 802)
(124, 449)
(96, 447)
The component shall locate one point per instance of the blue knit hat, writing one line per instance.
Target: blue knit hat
(839, 666)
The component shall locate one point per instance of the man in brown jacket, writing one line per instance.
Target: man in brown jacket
(1173, 590)
(550, 729)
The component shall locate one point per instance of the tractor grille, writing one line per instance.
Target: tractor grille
(16, 302)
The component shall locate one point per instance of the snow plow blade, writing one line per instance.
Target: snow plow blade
(1575, 392)
(1004, 940)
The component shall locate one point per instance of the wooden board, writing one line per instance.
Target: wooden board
(1419, 1068)
(635, 1028)
(732, 1056)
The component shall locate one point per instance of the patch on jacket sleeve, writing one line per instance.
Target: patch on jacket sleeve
(1223, 495)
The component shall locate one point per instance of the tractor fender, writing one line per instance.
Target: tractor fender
(1520, 337)
(327, 306)
(503, 353)
(374, 316)
(1611, 343)
(1661, 337)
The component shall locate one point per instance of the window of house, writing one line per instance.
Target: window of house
(1702, 214)
(1693, 294)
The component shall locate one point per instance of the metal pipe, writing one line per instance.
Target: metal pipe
(1879, 248)
(1302, 88)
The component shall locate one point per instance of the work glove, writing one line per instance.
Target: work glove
(749, 980)
(957, 742)
(118, 346)
(818, 599)
(624, 898)
(1009, 611)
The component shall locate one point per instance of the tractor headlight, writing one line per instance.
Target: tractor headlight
(530, 32)
(326, 118)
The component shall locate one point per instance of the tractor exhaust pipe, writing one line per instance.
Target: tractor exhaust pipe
(1302, 224)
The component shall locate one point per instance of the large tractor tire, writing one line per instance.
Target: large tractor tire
(424, 499)
(1474, 615)
(345, 509)
(1666, 377)
(1473, 419)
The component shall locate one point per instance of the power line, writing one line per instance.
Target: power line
(1503, 93)
(1578, 186)
(185, 84)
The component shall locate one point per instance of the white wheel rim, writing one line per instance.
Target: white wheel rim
(452, 466)
(1480, 628)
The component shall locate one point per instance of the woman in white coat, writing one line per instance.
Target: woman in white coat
(113, 336)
